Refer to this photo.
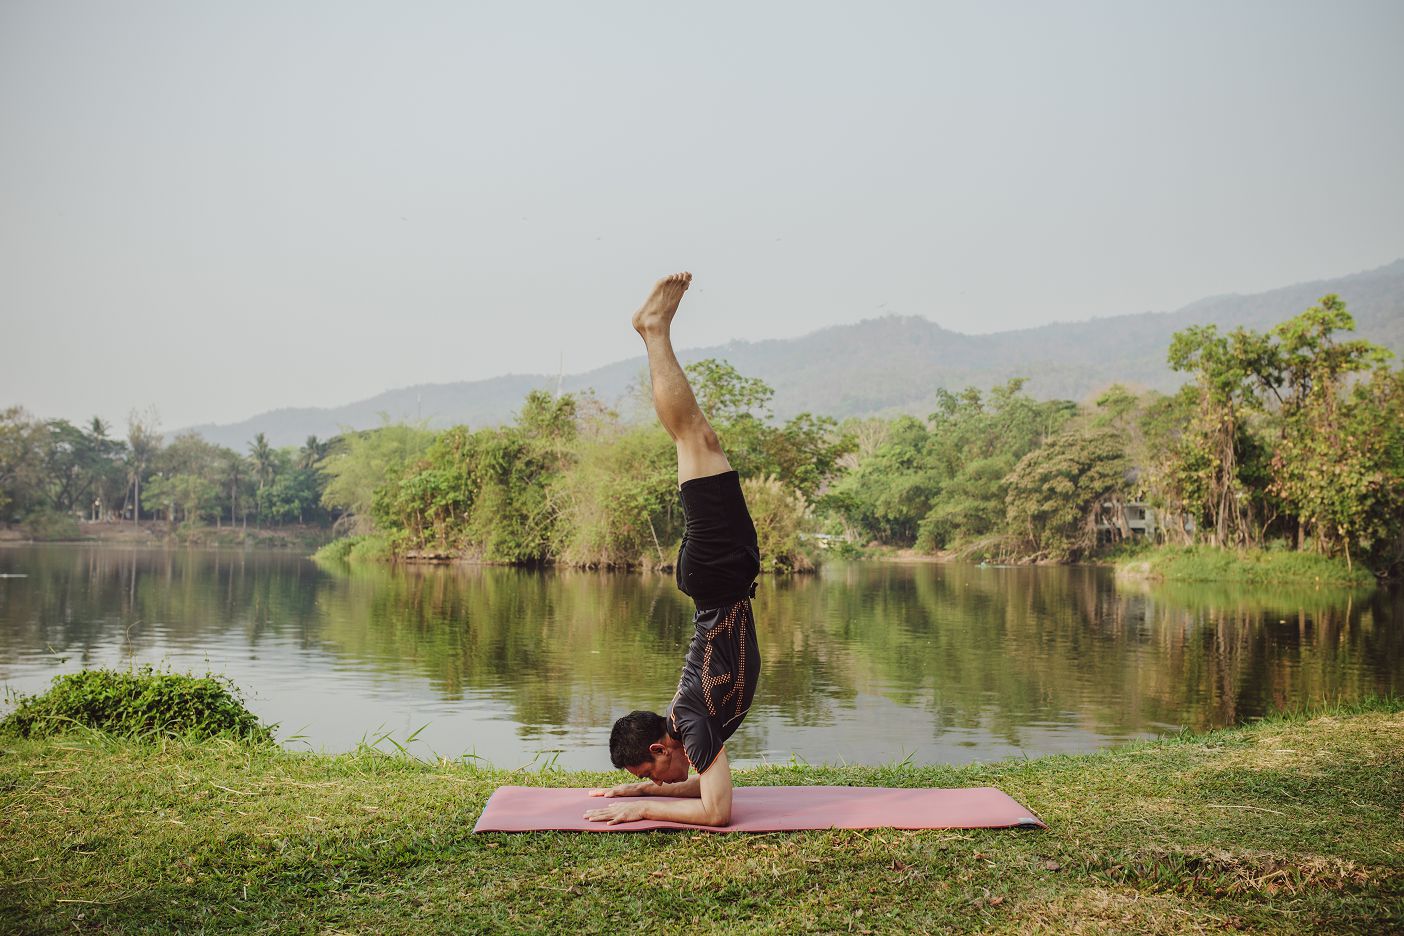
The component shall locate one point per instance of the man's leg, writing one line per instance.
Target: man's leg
(699, 452)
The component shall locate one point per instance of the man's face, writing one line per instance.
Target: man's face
(669, 765)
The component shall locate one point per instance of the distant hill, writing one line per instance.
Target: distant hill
(882, 366)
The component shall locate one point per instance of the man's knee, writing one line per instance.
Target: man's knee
(700, 440)
(700, 455)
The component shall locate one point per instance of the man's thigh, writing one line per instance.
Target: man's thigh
(719, 557)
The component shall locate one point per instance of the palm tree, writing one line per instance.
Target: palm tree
(265, 464)
(232, 468)
(312, 452)
(143, 441)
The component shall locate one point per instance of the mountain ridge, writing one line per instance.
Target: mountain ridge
(879, 366)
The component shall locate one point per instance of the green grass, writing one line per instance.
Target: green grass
(1288, 825)
(371, 548)
(1214, 564)
(137, 704)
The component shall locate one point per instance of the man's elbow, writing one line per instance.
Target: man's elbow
(717, 816)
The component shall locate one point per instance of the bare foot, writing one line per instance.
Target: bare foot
(662, 304)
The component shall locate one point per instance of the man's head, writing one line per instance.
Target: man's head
(639, 743)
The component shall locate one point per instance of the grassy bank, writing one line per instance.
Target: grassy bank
(1290, 825)
(1213, 564)
(355, 549)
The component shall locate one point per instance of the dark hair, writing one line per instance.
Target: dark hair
(631, 737)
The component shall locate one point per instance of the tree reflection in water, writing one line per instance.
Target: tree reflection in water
(864, 661)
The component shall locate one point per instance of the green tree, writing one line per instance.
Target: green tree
(1056, 493)
(184, 481)
(1219, 458)
(425, 505)
(143, 443)
(264, 460)
(1330, 468)
(969, 507)
(363, 461)
(294, 494)
(804, 453)
(21, 463)
(780, 515)
(107, 457)
(492, 493)
(81, 466)
(975, 441)
(1164, 426)
(725, 395)
(619, 500)
(233, 476)
(1374, 416)
(312, 452)
(885, 496)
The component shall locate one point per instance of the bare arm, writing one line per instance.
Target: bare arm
(687, 788)
(709, 806)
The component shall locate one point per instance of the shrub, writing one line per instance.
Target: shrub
(616, 500)
(779, 515)
(336, 551)
(49, 525)
(137, 703)
(371, 547)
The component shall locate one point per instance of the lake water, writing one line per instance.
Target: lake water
(864, 662)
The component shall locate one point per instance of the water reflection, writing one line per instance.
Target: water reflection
(863, 662)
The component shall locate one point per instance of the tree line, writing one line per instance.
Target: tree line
(53, 473)
(1293, 436)
(572, 482)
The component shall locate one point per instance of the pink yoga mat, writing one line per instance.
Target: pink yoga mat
(772, 809)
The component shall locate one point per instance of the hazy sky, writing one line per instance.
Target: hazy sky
(223, 208)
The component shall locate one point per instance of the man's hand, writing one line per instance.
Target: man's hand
(704, 800)
(617, 813)
(625, 789)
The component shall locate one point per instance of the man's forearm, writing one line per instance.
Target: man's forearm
(692, 811)
(691, 788)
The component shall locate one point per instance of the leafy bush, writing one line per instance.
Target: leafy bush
(354, 549)
(371, 548)
(619, 502)
(137, 703)
(47, 525)
(779, 515)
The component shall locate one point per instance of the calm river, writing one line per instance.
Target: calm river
(864, 662)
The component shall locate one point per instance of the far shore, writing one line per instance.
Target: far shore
(159, 533)
(1200, 563)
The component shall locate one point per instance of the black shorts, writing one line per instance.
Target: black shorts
(719, 559)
